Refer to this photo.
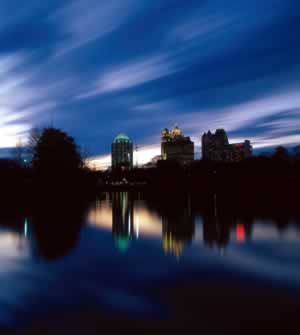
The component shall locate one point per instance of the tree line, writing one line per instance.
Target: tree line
(55, 167)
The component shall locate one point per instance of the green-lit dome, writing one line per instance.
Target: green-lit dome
(122, 138)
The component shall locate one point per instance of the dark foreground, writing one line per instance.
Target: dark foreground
(205, 307)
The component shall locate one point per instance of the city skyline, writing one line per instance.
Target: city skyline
(202, 66)
(243, 149)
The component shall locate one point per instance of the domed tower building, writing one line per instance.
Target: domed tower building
(122, 152)
(175, 146)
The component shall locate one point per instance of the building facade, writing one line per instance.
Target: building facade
(240, 151)
(122, 152)
(175, 146)
(216, 147)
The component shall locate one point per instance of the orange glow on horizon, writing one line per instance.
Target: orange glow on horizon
(142, 156)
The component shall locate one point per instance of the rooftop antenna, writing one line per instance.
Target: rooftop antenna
(136, 151)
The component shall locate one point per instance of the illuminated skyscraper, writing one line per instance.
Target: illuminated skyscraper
(122, 152)
(175, 146)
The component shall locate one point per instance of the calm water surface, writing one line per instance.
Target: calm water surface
(125, 248)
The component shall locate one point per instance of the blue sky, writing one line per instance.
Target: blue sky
(96, 68)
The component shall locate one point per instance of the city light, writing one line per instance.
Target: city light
(240, 232)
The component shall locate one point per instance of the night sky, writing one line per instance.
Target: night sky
(99, 67)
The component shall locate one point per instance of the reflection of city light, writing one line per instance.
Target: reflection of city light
(240, 232)
(25, 227)
(129, 223)
(137, 226)
(101, 215)
(146, 223)
(172, 246)
(122, 243)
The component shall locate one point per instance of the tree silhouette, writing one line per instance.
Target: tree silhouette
(57, 163)
(296, 151)
(56, 150)
(281, 153)
(33, 138)
(56, 227)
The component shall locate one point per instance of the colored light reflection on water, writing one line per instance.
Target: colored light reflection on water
(240, 232)
(126, 245)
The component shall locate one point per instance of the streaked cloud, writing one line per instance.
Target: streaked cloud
(14, 94)
(84, 22)
(21, 100)
(130, 75)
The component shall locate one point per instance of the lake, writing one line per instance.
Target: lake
(156, 263)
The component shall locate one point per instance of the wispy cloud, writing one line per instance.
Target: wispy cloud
(84, 22)
(214, 20)
(214, 30)
(13, 95)
(21, 101)
(130, 75)
(247, 113)
(248, 116)
(265, 142)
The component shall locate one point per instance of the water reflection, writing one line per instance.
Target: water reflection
(110, 255)
(50, 232)
(116, 210)
(177, 222)
(178, 225)
(56, 233)
(122, 220)
(182, 220)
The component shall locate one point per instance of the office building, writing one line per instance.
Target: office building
(216, 147)
(240, 151)
(122, 152)
(175, 146)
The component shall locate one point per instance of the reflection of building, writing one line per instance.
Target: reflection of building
(175, 146)
(216, 225)
(172, 245)
(216, 147)
(122, 152)
(220, 226)
(178, 227)
(122, 220)
(216, 232)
